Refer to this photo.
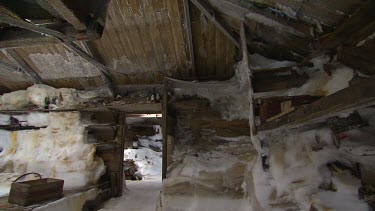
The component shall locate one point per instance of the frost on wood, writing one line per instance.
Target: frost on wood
(58, 151)
(55, 66)
(36, 95)
(304, 168)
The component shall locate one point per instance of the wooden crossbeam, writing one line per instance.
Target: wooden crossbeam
(358, 95)
(210, 13)
(59, 9)
(10, 67)
(26, 69)
(32, 27)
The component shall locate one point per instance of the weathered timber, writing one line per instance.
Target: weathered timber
(27, 70)
(103, 70)
(165, 129)
(210, 13)
(10, 67)
(189, 36)
(361, 58)
(32, 27)
(59, 8)
(347, 32)
(280, 82)
(358, 95)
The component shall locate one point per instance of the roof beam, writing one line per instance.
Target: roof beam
(32, 27)
(26, 69)
(189, 36)
(59, 9)
(210, 13)
(361, 94)
(10, 67)
(104, 71)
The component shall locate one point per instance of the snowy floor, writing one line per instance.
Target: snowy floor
(140, 196)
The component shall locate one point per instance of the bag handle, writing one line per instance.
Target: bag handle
(40, 176)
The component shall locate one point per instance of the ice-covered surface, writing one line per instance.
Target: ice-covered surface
(72, 202)
(58, 151)
(149, 161)
(36, 94)
(154, 141)
(141, 196)
(299, 176)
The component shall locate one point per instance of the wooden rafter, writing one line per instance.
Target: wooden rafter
(104, 71)
(10, 67)
(59, 8)
(358, 95)
(189, 35)
(210, 13)
(26, 69)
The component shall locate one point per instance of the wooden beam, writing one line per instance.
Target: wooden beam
(103, 70)
(247, 74)
(358, 95)
(26, 69)
(189, 36)
(360, 58)
(32, 27)
(352, 28)
(62, 10)
(210, 13)
(13, 37)
(164, 130)
(278, 82)
(10, 67)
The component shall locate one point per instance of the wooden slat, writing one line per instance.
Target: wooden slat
(25, 67)
(189, 37)
(206, 9)
(358, 95)
(164, 131)
(53, 6)
(104, 70)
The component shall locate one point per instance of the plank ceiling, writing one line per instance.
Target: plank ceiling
(145, 40)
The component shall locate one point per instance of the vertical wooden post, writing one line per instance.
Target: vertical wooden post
(165, 130)
(246, 76)
(117, 177)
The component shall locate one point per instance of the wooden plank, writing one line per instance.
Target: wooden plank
(359, 20)
(358, 95)
(104, 70)
(189, 38)
(32, 27)
(53, 6)
(247, 73)
(121, 132)
(360, 58)
(164, 130)
(207, 10)
(278, 82)
(10, 67)
(27, 70)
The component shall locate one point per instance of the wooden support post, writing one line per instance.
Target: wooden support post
(246, 77)
(103, 70)
(358, 95)
(10, 67)
(165, 130)
(121, 131)
(26, 69)
(207, 10)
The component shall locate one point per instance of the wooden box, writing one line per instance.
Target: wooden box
(35, 191)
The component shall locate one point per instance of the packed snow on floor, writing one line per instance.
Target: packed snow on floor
(58, 151)
(148, 156)
(307, 171)
(36, 95)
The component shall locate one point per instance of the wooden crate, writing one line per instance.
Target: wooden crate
(35, 191)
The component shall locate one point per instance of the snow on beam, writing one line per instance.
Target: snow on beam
(207, 10)
(361, 94)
